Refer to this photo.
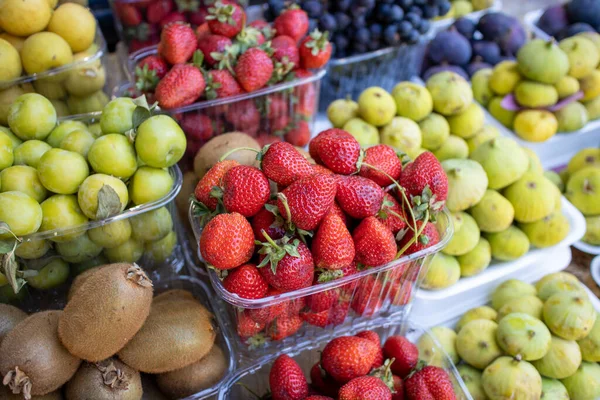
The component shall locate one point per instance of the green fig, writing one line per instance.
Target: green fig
(542, 61)
(465, 237)
(553, 389)
(585, 383)
(467, 182)
(504, 116)
(532, 197)
(530, 305)
(511, 289)
(467, 123)
(472, 379)
(483, 312)
(509, 244)
(450, 92)
(583, 190)
(453, 147)
(562, 359)
(429, 350)
(571, 117)
(475, 260)
(488, 132)
(587, 157)
(532, 94)
(556, 179)
(512, 378)
(569, 315)
(443, 271)
(590, 345)
(592, 230)
(503, 160)
(548, 231)
(412, 101)
(520, 334)
(435, 130)
(557, 282)
(476, 343)
(505, 77)
(493, 213)
(480, 82)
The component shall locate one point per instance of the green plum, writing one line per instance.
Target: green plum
(112, 154)
(152, 225)
(21, 212)
(62, 171)
(79, 249)
(130, 251)
(15, 140)
(53, 274)
(78, 268)
(95, 130)
(32, 116)
(160, 142)
(111, 235)
(6, 151)
(117, 115)
(30, 152)
(62, 211)
(22, 178)
(149, 184)
(62, 130)
(89, 196)
(161, 249)
(32, 249)
(78, 141)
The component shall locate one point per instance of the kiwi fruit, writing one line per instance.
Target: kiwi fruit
(105, 380)
(195, 377)
(10, 316)
(34, 362)
(78, 281)
(177, 333)
(106, 311)
(7, 394)
(173, 294)
(218, 146)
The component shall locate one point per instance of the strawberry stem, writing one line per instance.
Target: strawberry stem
(415, 237)
(230, 152)
(288, 213)
(269, 239)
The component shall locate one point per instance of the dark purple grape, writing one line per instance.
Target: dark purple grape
(413, 37)
(425, 26)
(359, 48)
(465, 27)
(373, 45)
(430, 11)
(404, 28)
(313, 24)
(362, 35)
(376, 31)
(383, 12)
(359, 22)
(397, 13)
(342, 5)
(340, 42)
(391, 37)
(343, 20)
(327, 22)
(416, 10)
(366, 3)
(313, 8)
(404, 3)
(414, 19)
(420, 2)
(444, 7)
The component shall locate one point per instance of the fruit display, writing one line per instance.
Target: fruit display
(551, 87)
(468, 46)
(383, 363)
(533, 339)
(460, 8)
(574, 17)
(330, 245)
(116, 326)
(80, 193)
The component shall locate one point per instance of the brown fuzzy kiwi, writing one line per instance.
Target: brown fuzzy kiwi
(33, 361)
(218, 146)
(173, 294)
(6, 394)
(79, 279)
(106, 311)
(176, 334)
(10, 316)
(105, 380)
(195, 377)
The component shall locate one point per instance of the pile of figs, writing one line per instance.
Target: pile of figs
(566, 20)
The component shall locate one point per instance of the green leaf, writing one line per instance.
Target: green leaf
(4, 228)
(6, 246)
(140, 114)
(272, 208)
(10, 269)
(109, 203)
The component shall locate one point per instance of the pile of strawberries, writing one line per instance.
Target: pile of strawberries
(291, 224)
(359, 368)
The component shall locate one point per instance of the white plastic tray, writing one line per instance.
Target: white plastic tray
(587, 248)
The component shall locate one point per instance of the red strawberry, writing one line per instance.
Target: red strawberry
(249, 37)
(197, 126)
(212, 178)
(264, 139)
(359, 197)
(365, 388)
(382, 157)
(332, 246)
(198, 17)
(399, 292)
(292, 22)
(348, 357)
(137, 44)
(404, 353)
(286, 380)
(259, 24)
(293, 307)
(226, 19)
(306, 94)
(430, 383)
(276, 105)
(285, 49)
(247, 327)
(157, 10)
(177, 43)
(227, 241)
(267, 314)
(323, 382)
(335, 209)
(182, 85)
(374, 337)
(319, 169)
(428, 237)
(246, 282)
(289, 271)
(315, 50)
(267, 221)
(318, 397)
(391, 214)
(307, 200)
(398, 388)
(323, 301)
(202, 31)
(244, 117)
(337, 150)
(284, 327)
(426, 171)
(338, 313)
(284, 165)
(320, 319)
(210, 44)
(149, 72)
(368, 298)
(299, 135)
(128, 14)
(245, 190)
(253, 69)
(172, 18)
(279, 124)
(313, 146)
(374, 243)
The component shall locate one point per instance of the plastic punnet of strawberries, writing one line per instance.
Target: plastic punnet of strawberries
(360, 368)
(352, 211)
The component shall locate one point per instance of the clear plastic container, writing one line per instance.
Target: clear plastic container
(256, 377)
(442, 24)
(85, 75)
(381, 292)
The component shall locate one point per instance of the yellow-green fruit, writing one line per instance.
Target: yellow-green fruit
(562, 359)
(584, 158)
(24, 17)
(535, 165)
(10, 62)
(7, 155)
(548, 231)
(520, 334)
(15, 41)
(53, 274)
(504, 116)
(466, 235)
(22, 214)
(86, 78)
(24, 179)
(505, 78)
(376, 106)
(74, 23)
(590, 85)
(152, 225)
(535, 125)
(434, 131)
(412, 101)
(50, 89)
(430, 352)
(366, 134)
(62, 130)
(453, 147)
(450, 92)
(556, 283)
(159, 250)
(467, 123)
(341, 111)
(79, 141)
(32, 249)
(590, 345)
(101, 196)
(475, 260)
(61, 108)
(69, 216)
(43, 51)
(593, 36)
(467, 182)
(480, 82)
(509, 290)
(493, 213)
(62, 171)
(476, 343)
(553, 389)
(569, 315)
(534, 94)
(509, 244)
(481, 4)
(462, 8)
(403, 134)
(556, 179)
(149, 184)
(542, 61)
(472, 379)
(86, 104)
(583, 190)
(8, 96)
(79, 249)
(503, 160)
(111, 235)
(31, 116)
(483, 312)
(585, 383)
(592, 230)
(532, 197)
(530, 305)
(583, 55)
(593, 108)
(488, 132)
(566, 86)
(130, 251)
(572, 117)
(13, 138)
(511, 378)
(443, 272)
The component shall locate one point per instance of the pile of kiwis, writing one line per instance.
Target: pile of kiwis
(111, 331)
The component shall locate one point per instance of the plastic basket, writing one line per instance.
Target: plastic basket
(256, 377)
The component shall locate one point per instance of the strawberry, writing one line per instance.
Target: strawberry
(149, 72)
(426, 171)
(202, 31)
(429, 383)
(244, 117)
(172, 18)
(249, 37)
(284, 327)
(315, 50)
(348, 357)
(319, 169)
(226, 19)
(293, 22)
(259, 24)
(335, 209)
(365, 388)
(374, 243)
(290, 264)
(398, 388)
(275, 106)
(211, 44)
(212, 178)
(337, 315)
(320, 319)
(313, 146)
(399, 291)
(137, 44)
(266, 220)
(374, 337)
(384, 158)
(299, 134)
(332, 246)
(391, 214)
(247, 327)
(253, 69)
(428, 237)
(359, 197)
(197, 126)
(177, 42)
(182, 85)
(404, 353)
(279, 124)
(128, 14)
(283, 164)
(245, 190)
(306, 201)
(306, 95)
(198, 17)
(286, 380)
(267, 314)
(264, 139)
(337, 150)
(293, 307)
(323, 301)
(285, 50)
(323, 382)
(368, 298)
(227, 241)
(157, 10)
(318, 397)
(246, 282)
